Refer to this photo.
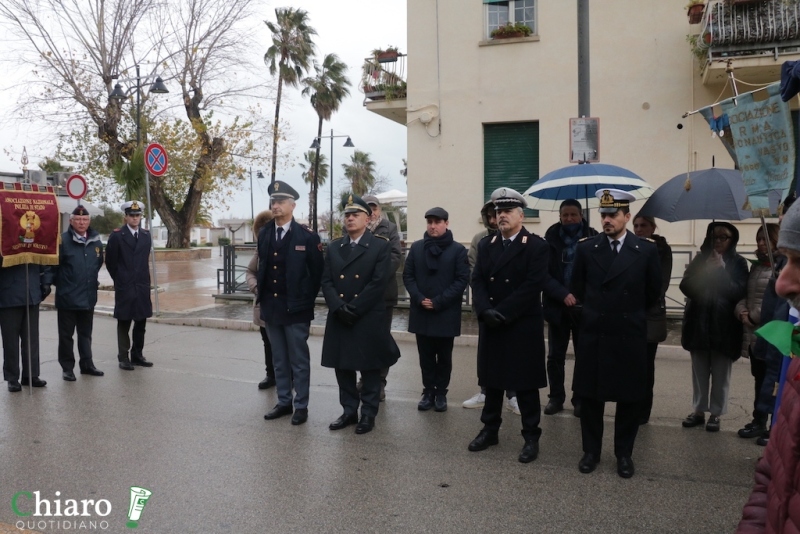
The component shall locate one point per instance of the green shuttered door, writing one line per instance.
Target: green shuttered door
(510, 157)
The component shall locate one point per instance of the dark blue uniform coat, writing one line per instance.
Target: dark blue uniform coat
(444, 286)
(78, 267)
(359, 280)
(127, 262)
(511, 356)
(616, 290)
(12, 284)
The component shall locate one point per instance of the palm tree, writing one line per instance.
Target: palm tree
(130, 175)
(361, 172)
(314, 166)
(289, 56)
(327, 90)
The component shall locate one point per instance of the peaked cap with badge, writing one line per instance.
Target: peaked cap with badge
(80, 210)
(281, 190)
(507, 198)
(354, 204)
(613, 199)
(132, 207)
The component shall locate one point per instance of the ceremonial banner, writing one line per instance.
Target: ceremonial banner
(764, 145)
(30, 224)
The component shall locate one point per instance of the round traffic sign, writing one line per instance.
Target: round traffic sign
(76, 186)
(155, 159)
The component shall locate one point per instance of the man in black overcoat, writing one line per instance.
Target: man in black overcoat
(127, 256)
(289, 271)
(357, 338)
(507, 284)
(436, 274)
(617, 277)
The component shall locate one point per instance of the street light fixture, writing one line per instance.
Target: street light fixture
(119, 94)
(316, 144)
(260, 176)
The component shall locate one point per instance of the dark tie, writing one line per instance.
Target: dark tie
(280, 237)
(614, 245)
(506, 243)
(136, 236)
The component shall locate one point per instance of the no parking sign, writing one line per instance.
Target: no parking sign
(155, 159)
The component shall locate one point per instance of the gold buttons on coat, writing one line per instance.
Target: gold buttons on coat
(356, 276)
(341, 295)
(274, 294)
(274, 253)
(354, 296)
(491, 279)
(341, 276)
(274, 266)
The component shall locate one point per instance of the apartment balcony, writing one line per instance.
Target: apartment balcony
(754, 38)
(384, 86)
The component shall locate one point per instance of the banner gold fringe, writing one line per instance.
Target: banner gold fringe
(30, 257)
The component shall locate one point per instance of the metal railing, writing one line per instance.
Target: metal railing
(382, 79)
(733, 29)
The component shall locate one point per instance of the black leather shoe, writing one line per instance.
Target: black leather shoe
(588, 463)
(267, 383)
(365, 424)
(126, 365)
(345, 420)
(625, 467)
(483, 441)
(300, 416)
(141, 361)
(529, 452)
(426, 402)
(761, 442)
(69, 376)
(553, 407)
(14, 386)
(92, 371)
(278, 411)
(440, 403)
(36, 382)
(694, 419)
(752, 430)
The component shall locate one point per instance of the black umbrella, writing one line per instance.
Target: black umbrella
(707, 194)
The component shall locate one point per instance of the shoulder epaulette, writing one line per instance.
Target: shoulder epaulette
(648, 239)
(306, 228)
(117, 229)
(581, 240)
(381, 237)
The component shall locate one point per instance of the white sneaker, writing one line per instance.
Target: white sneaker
(475, 402)
(512, 406)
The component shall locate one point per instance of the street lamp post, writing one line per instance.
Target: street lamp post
(119, 94)
(316, 144)
(260, 176)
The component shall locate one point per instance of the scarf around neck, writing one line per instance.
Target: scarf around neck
(434, 246)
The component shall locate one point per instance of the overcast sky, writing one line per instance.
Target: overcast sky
(349, 28)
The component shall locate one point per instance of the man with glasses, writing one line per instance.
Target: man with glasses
(127, 255)
(561, 311)
(289, 272)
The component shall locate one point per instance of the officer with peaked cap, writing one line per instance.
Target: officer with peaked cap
(357, 338)
(617, 277)
(127, 255)
(507, 282)
(289, 270)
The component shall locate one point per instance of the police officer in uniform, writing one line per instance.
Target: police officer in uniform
(617, 277)
(289, 270)
(357, 338)
(127, 254)
(507, 283)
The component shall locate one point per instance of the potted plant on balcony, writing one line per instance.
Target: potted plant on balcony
(510, 31)
(389, 55)
(695, 9)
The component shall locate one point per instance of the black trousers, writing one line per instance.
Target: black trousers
(14, 329)
(436, 363)
(267, 352)
(370, 396)
(647, 404)
(626, 425)
(387, 318)
(758, 368)
(68, 322)
(124, 340)
(529, 406)
(558, 343)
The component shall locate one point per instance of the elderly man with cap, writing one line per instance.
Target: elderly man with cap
(357, 269)
(381, 226)
(617, 277)
(289, 271)
(127, 254)
(507, 284)
(435, 275)
(79, 260)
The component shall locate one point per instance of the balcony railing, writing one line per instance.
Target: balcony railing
(737, 29)
(384, 78)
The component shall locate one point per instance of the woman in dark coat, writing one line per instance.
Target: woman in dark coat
(714, 282)
(644, 226)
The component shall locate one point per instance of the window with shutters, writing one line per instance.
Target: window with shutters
(510, 157)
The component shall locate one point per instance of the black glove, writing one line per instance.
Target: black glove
(46, 289)
(493, 318)
(347, 315)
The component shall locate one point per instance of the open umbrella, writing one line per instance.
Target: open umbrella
(581, 182)
(707, 194)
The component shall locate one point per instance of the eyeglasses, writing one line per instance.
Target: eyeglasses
(722, 238)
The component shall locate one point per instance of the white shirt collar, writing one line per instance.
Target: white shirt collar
(131, 229)
(621, 240)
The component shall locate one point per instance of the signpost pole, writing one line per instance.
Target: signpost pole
(152, 240)
(156, 162)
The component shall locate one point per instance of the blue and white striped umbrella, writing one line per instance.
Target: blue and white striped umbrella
(581, 182)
